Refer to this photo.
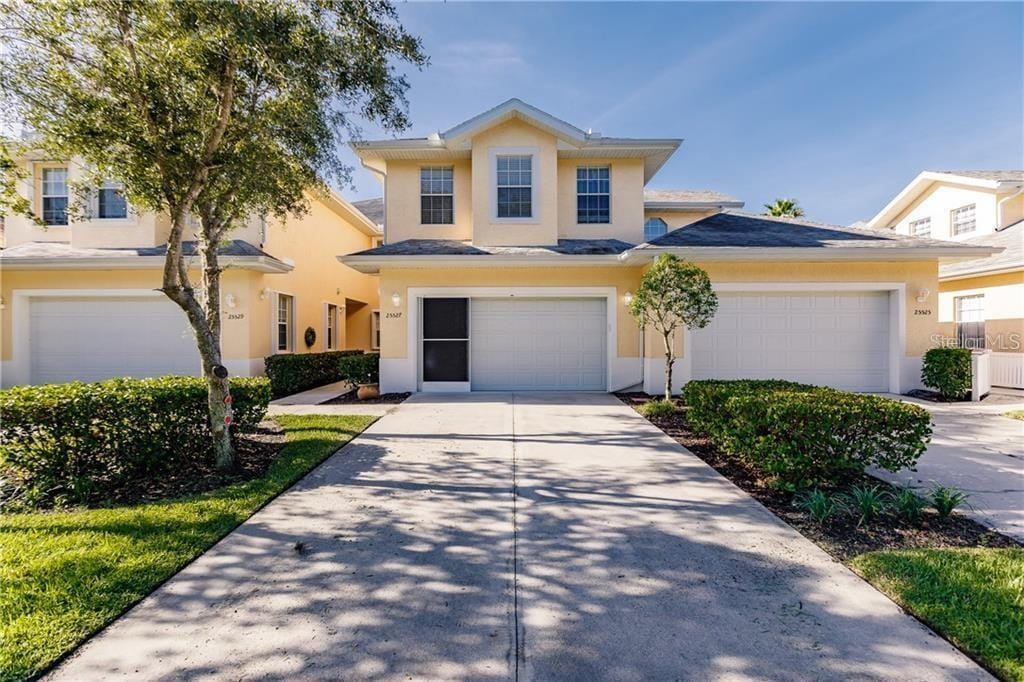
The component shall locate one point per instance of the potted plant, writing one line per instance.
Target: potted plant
(368, 391)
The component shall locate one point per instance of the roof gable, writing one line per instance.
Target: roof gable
(515, 109)
(984, 180)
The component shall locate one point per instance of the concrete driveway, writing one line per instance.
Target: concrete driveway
(500, 536)
(975, 448)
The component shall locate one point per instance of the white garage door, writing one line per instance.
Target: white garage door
(538, 344)
(89, 339)
(831, 339)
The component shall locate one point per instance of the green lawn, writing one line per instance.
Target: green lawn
(63, 575)
(975, 597)
(1015, 414)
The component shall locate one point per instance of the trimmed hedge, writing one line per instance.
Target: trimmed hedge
(360, 369)
(79, 443)
(807, 435)
(293, 372)
(948, 371)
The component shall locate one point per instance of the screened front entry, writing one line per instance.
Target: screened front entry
(445, 343)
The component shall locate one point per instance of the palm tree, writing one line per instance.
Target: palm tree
(784, 208)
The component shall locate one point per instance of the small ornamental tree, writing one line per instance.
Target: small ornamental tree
(673, 293)
(208, 111)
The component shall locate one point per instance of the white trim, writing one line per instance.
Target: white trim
(326, 318)
(908, 194)
(534, 153)
(273, 322)
(407, 373)
(258, 263)
(420, 168)
(375, 329)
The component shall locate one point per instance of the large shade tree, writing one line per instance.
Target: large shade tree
(672, 294)
(208, 112)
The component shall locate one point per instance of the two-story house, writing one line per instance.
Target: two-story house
(981, 301)
(514, 241)
(80, 293)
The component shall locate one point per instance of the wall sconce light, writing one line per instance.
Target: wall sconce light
(263, 293)
(230, 300)
(3, 303)
(396, 299)
(337, 292)
(922, 294)
(627, 297)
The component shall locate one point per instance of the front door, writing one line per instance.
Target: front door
(445, 344)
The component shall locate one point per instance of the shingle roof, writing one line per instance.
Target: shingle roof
(701, 196)
(449, 247)
(1011, 238)
(744, 230)
(996, 175)
(372, 209)
(62, 250)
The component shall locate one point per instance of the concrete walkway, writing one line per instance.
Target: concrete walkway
(499, 536)
(975, 448)
(315, 396)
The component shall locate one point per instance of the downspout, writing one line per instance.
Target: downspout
(999, 207)
(384, 195)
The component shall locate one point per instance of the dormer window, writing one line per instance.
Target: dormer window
(514, 185)
(921, 228)
(55, 196)
(963, 219)
(654, 228)
(593, 194)
(437, 195)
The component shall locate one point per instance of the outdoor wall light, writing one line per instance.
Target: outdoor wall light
(627, 297)
(3, 303)
(230, 300)
(263, 293)
(922, 294)
(396, 299)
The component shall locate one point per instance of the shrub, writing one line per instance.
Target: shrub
(807, 435)
(947, 498)
(658, 409)
(293, 372)
(360, 369)
(819, 505)
(867, 502)
(909, 504)
(948, 371)
(81, 442)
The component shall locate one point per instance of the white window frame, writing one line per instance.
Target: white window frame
(953, 221)
(653, 218)
(275, 321)
(913, 227)
(109, 184)
(532, 152)
(375, 329)
(436, 194)
(599, 166)
(330, 326)
(979, 310)
(43, 195)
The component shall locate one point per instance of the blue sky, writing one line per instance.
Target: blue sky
(838, 105)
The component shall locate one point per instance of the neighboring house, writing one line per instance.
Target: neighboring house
(513, 242)
(81, 297)
(981, 301)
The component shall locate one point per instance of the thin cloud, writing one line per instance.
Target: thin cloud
(479, 57)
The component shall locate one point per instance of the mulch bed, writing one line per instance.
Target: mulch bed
(840, 537)
(350, 398)
(256, 451)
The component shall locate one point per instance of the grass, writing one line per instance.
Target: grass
(1015, 414)
(64, 575)
(974, 597)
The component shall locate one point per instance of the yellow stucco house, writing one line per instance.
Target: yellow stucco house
(981, 301)
(513, 242)
(80, 299)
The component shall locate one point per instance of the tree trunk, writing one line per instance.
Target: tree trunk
(223, 450)
(669, 360)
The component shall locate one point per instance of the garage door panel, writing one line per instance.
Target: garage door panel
(837, 339)
(538, 344)
(95, 338)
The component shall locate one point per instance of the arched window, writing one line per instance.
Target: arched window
(654, 228)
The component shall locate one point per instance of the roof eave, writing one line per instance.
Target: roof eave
(690, 205)
(817, 253)
(257, 263)
(983, 272)
(372, 264)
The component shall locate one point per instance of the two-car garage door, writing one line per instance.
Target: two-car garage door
(838, 339)
(93, 338)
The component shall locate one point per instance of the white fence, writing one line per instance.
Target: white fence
(1007, 369)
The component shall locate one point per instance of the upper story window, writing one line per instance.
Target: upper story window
(55, 196)
(284, 322)
(110, 201)
(921, 228)
(593, 194)
(515, 186)
(654, 228)
(436, 195)
(962, 219)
